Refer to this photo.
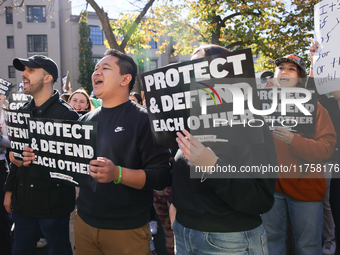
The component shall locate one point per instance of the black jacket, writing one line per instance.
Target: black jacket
(331, 105)
(232, 201)
(35, 197)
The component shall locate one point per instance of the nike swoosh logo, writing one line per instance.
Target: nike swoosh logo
(118, 129)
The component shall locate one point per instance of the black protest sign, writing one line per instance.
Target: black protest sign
(63, 150)
(4, 86)
(292, 108)
(16, 99)
(17, 131)
(208, 96)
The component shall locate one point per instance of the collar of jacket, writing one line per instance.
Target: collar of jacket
(30, 106)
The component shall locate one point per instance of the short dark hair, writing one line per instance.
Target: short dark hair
(210, 49)
(137, 96)
(126, 65)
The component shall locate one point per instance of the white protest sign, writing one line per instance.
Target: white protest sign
(327, 33)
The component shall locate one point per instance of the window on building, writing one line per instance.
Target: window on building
(96, 60)
(10, 42)
(172, 43)
(153, 44)
(11, 72)
(153, 65)
(96, 35)
(146, 65)
(9, 15)
(36, 14)
(37, 43)
(141, 66)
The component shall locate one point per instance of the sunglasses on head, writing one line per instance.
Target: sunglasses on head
(264, 80)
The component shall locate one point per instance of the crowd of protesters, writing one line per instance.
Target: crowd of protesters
(199, 216)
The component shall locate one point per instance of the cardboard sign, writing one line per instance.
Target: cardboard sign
(327, 32)
(208, 96)
(63, 150)
(294, 119)
(4, 86)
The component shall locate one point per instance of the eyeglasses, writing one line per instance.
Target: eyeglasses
(264, 80)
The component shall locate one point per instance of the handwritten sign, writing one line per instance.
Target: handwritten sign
(327, 59)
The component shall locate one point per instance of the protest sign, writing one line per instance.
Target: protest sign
(327, 59)
(17, 131)
(210, 97)
(16, 99)
(63, 150)
(294, 119)
(66, 83)
(4, 86)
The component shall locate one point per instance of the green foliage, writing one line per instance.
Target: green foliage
(85, 64)
(271, 28)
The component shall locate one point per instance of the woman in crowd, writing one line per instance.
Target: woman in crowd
(80, 100)
(134, 96)
(220, 216)
(299, 194)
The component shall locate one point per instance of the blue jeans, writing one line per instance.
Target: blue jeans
(189, 241)
(307, 222)
(28, 231)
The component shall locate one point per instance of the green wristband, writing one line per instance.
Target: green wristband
(119, 175)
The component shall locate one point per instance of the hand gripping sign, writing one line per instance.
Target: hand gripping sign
(213, 97)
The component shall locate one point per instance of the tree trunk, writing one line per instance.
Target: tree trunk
(102, 15)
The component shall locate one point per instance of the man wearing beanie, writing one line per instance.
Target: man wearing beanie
(38, 204)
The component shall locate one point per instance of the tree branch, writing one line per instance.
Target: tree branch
(256, 14)
(198, 32)
(232, 45)
(134, 25)
(102, 15)
(18, 5)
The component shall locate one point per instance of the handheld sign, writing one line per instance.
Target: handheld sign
(17, 99)
(63, 150)
(298, 117)
(4, 86)
(17, 131)
(327, 59)
(66, 82)
(211, 97)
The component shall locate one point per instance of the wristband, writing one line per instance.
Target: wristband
(119, 175)
(311, 67)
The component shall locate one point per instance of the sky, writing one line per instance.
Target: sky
(113, 7)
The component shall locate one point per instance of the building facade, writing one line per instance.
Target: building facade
(48, 28)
